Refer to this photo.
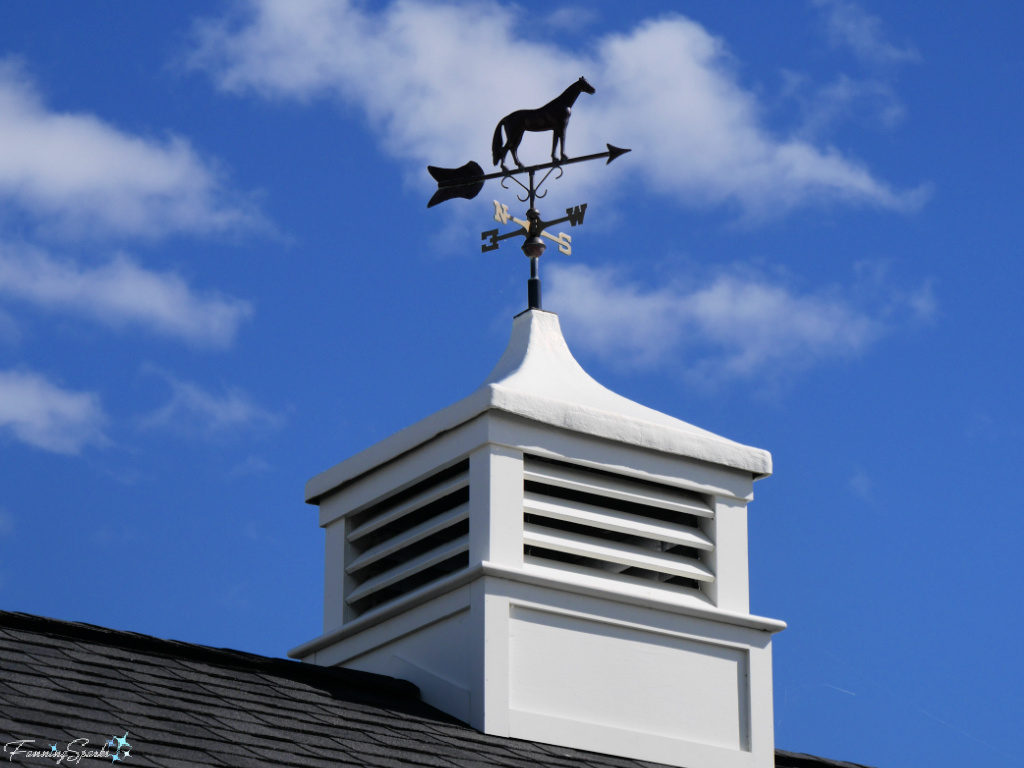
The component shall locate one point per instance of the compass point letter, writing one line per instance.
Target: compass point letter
(493, 245)
(576, 214)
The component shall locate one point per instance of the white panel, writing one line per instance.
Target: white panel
(732, 590)
(496, 505)
(598, 673)
(436, 658)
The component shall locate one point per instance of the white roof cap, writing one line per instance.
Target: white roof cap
(538, 378)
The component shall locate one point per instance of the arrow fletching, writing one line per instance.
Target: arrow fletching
(465, 182)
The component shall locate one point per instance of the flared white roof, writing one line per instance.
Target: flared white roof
(537, 378)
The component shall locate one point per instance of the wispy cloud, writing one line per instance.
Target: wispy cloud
(193, 411)
(871, 101)
(668, 87)
(77, 173)
(850, 26)
(868, 97)
(728, 327)
(121, 293)
(42, 414)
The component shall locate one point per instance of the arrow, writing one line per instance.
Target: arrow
(467, 181)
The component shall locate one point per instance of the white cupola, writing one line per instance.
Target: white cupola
(548, 560)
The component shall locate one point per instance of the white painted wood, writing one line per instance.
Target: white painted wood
(615, 552)
(428, 496)
(402, 472)
(496, 505)
(614, 488)
(491, 601)
(538, 378)
(433, 660)
(598, 580)
(532, 648)
(613, 520)
(604, 738)
(334, 576)
(478, 654)
(411, 536)
(410, 568)
(628, 460)
(731, 590)
(657, 683)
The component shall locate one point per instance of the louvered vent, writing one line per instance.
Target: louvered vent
(602, 524)
(409, 539)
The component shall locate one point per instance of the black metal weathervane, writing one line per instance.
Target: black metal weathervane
(467, 181)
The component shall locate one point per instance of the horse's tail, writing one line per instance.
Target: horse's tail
(496, 143)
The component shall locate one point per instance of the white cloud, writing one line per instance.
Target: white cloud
(43, 415)
(850, 26)
(193, 410)
(76, 172)
(121, 293)
(732, 326)
(434, 78)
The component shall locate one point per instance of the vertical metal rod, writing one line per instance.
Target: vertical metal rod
(533, 284)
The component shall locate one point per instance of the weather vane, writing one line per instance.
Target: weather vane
(467, 181)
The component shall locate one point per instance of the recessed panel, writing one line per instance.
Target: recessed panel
(602, 673)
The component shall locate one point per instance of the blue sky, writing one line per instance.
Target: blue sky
(218, 277)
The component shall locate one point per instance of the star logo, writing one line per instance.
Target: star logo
(122, 744)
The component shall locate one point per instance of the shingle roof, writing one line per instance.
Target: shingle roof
(186, 705)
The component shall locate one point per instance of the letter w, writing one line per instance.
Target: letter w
(576, 214)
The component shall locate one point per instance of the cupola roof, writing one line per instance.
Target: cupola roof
(537, 378)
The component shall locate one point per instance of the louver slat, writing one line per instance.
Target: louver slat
(613, 520)
(419, 500)
(417, 533)
(624, 554)
(615, 488)
(409, 568)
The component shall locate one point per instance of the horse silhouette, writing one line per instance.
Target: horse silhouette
(553, 116)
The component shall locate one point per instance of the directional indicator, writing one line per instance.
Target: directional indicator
(501, 215)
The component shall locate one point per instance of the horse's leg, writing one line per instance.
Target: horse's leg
(513, 145)
(554, 143)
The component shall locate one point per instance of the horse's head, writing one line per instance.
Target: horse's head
(585, 86)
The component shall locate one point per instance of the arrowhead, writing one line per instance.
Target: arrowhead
(614, 152)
